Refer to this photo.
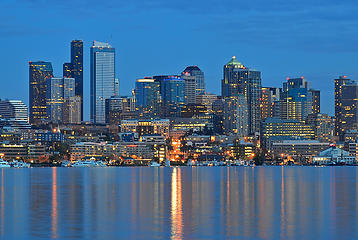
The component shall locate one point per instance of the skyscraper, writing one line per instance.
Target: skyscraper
(239, 79)
(102, 64)
(147, 98)
(39, 73)
(77, 69)
(60, 98)
(338, 85)
(173, 96)
(316, 100)
(235, 119)
(67, 70)
(349, 107)
(190, 89)
(269, 99)
(296, 99)
(198, 75)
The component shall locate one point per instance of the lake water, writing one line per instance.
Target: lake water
(179, 203)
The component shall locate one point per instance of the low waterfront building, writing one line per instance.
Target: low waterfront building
(288, 128)
(243, 150)
(146, 127)
(43, 136)
(298, 149)
(334, 155)
(84, 150)
(14, 151)
(136, 150)
(31, 152)
(353, 149)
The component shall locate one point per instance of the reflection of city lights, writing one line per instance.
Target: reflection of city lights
(176, 205)
(54, 216)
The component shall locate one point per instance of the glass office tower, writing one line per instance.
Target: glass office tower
(338, 108)
(77, 69)
(39, 72)
(195, 71)
(239, 79)
(102, 80)
(147, 98)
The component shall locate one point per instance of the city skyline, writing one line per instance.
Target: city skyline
(327, 107)
(274, 48)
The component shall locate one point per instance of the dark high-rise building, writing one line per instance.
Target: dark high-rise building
(349, 108)
(77, 69)
(39, 72)
(67, 70)
(239, 79)
(173, 96)
(338, 85)
(147, 98)
(316, 101)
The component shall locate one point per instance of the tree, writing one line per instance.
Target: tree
(259, 159)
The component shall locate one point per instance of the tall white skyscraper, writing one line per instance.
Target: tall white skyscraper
(103, 84)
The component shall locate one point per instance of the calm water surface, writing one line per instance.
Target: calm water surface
(179, 203)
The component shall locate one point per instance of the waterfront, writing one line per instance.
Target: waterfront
(179, 203)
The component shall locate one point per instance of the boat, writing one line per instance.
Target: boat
(4, 164)
(20, 164)
(154, 164)
(88, 163)
(66, 163)
(79, 164)
(189, 163)
(167, 163)
(100, 164)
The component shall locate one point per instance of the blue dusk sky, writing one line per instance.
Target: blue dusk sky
(281, 38)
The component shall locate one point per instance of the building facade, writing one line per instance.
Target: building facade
(146, 127)
(147, 98)
(60, 100)
(14, 110)
(102, 79)
(173, 96)
(39, 73)
(239, 79)
(338, 108)
(235, 116)
(296, 99)
(198, 75)
(77, 69)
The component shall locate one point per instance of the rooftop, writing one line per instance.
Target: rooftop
(235, 62)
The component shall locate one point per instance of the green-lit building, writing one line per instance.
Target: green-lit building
(239, 79)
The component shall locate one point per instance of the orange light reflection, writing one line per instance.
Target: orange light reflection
(176, 205)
